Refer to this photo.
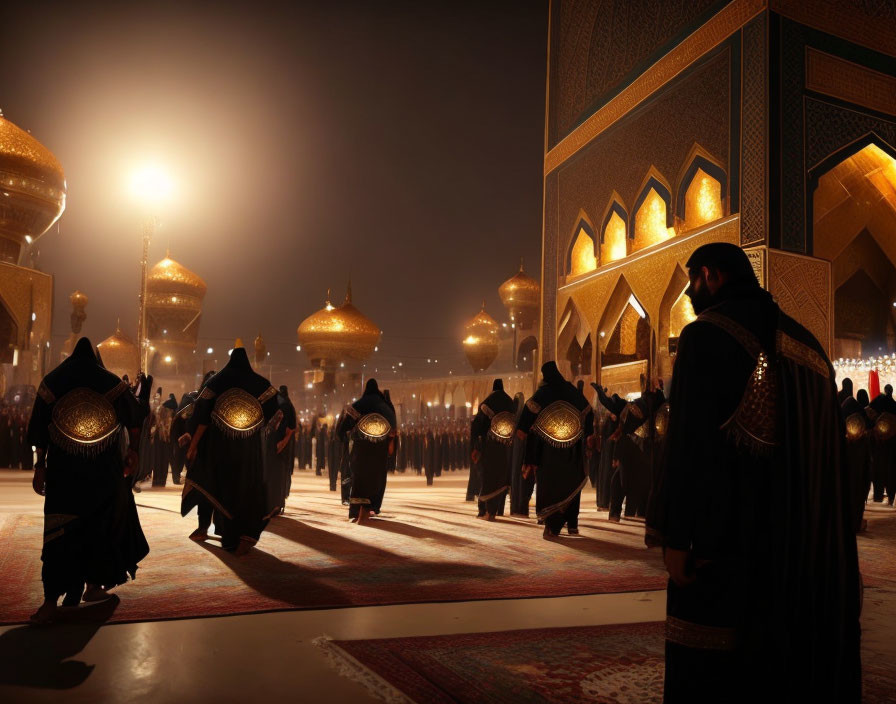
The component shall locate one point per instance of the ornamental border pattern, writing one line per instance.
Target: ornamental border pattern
(728, 20)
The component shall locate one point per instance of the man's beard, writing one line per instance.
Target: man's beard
(700, 300)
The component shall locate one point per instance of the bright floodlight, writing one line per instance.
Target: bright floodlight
(151, 185)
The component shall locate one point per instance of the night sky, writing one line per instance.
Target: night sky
(399, 143)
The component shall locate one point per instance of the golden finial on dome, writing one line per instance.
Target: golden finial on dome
(238, 343)
(33, 185)
(481, 344)
(521, 296)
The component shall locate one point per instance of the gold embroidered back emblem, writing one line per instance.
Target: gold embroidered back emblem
(855, 427)
(237, 413)
(374, 427)
(661, 421)
(560, 424)
(84, 422)
(885, 428)
(502, 427)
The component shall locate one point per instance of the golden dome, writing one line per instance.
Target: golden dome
(521, 296)
(78, 299)
(481, 344)
(170, 277)
(333, 335)
(119, 354)
(33, 186)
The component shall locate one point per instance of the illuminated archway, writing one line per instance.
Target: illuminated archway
(702, 191)
(624, 341)
(653, 220)
(571, 340)
(583, 253)
(613, 233)
(675, 312)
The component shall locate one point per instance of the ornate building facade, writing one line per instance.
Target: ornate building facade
(769, 124)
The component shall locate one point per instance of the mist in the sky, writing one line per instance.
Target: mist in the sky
(399, 143)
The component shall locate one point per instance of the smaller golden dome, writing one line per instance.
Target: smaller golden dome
(78, 299)
(333, 335)
(170, 277)
(119, 354)
(521, 296)
(481, 343)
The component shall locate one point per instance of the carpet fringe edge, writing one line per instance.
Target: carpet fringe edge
(347, 666)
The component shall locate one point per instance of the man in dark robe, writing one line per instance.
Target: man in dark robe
(371, 422)
(845, 391)
(858, 455)
(164, 453)
(178, 429)
(614, 405)
(557, 423)
(491, 435)
(429, 454)
(754, 505)
(234, 408)
(631, 462)
(882, 411)
(323, 436)
(521, 487)
(278, 452)
(92, 532)
(191, 497)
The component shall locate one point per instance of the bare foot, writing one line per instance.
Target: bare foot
(199, 535)
(363, 515)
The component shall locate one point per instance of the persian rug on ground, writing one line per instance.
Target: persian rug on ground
(428, 547)
(615, 664)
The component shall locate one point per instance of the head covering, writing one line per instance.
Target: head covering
(847, 385)
(371, 387)
(238, 359)
(862, 397)
(284, 390)
(498, 385)
(727, 258)
(551, 373)
(84, 351)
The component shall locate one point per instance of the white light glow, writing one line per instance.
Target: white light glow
(637, 306)
(209, 350)
(151, 185)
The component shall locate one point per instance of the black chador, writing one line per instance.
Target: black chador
(491, 435)
(521, 487)
(605, 470)
(370, 424)
(178, 430)
(234, 408)
(92, 532)
(279, 452)
(557, 422)
(882, 411)
(753, 506)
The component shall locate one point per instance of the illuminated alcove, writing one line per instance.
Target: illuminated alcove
(613, 236)
(653, 217)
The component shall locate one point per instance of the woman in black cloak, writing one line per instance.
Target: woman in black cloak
(234, 408)
(557, 422)
(92, 531)
(187, 422)
(371, 422)
(491, 435)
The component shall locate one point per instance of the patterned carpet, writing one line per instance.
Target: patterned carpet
(427, 547)
(877, 547)
(619, 664)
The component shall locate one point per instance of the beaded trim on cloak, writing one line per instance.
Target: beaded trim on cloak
(84, 422)
(754, 423)
(560, 424)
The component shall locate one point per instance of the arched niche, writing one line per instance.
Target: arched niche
(571, 340)
(527, 352)
(582, 255)
(702, 193)
(624, 341)
(653, 217)
(676, 311)
(614, 233)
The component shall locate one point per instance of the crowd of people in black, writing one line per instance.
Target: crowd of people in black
(15, 450)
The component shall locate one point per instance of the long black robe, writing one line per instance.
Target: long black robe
(494, 476)
(92, 531)
(178, 428)
(369, 456)
(754, 486)
(232, 474)
(560, 473)
(858, 455)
